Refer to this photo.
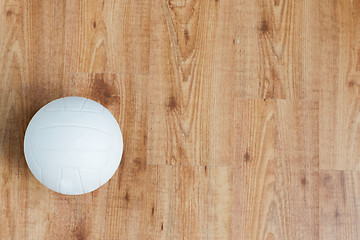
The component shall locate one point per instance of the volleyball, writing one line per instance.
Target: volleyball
(73, 145)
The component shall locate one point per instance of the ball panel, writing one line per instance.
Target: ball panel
(74, 103)
(97, 121)
(72, 159)
(109, 170)
(51, 178)
(92, 106)
(92, 179)
(30, 159)
(56, 105)
(34, 168)
(70, 182)
(69, 138)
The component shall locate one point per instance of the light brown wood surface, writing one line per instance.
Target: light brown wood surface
(240, 118)
(275, 174)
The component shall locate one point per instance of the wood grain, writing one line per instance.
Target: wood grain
(15, 75)
(192, 82)
(275, 184)
(46, 61)
(339, 102)
(338, 117)
(183, 202)
(339, 205)
(160, 202)
(107, 36)
(275, 46)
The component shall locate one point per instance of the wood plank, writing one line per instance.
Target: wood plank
(219, 203)
(76, 217)
(339, 205)
(107, 36)
(190, 203)
(183, 202)
(45, 76)
(191, 110)
(339, 99)
(276, 44)
(18, 68)
(120, 204)
(275, 184)
(160, 195)
(47, 52)
(126, 197)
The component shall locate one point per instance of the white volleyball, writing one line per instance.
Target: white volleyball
(73, 145)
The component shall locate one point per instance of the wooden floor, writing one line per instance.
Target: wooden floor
(241, 119)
